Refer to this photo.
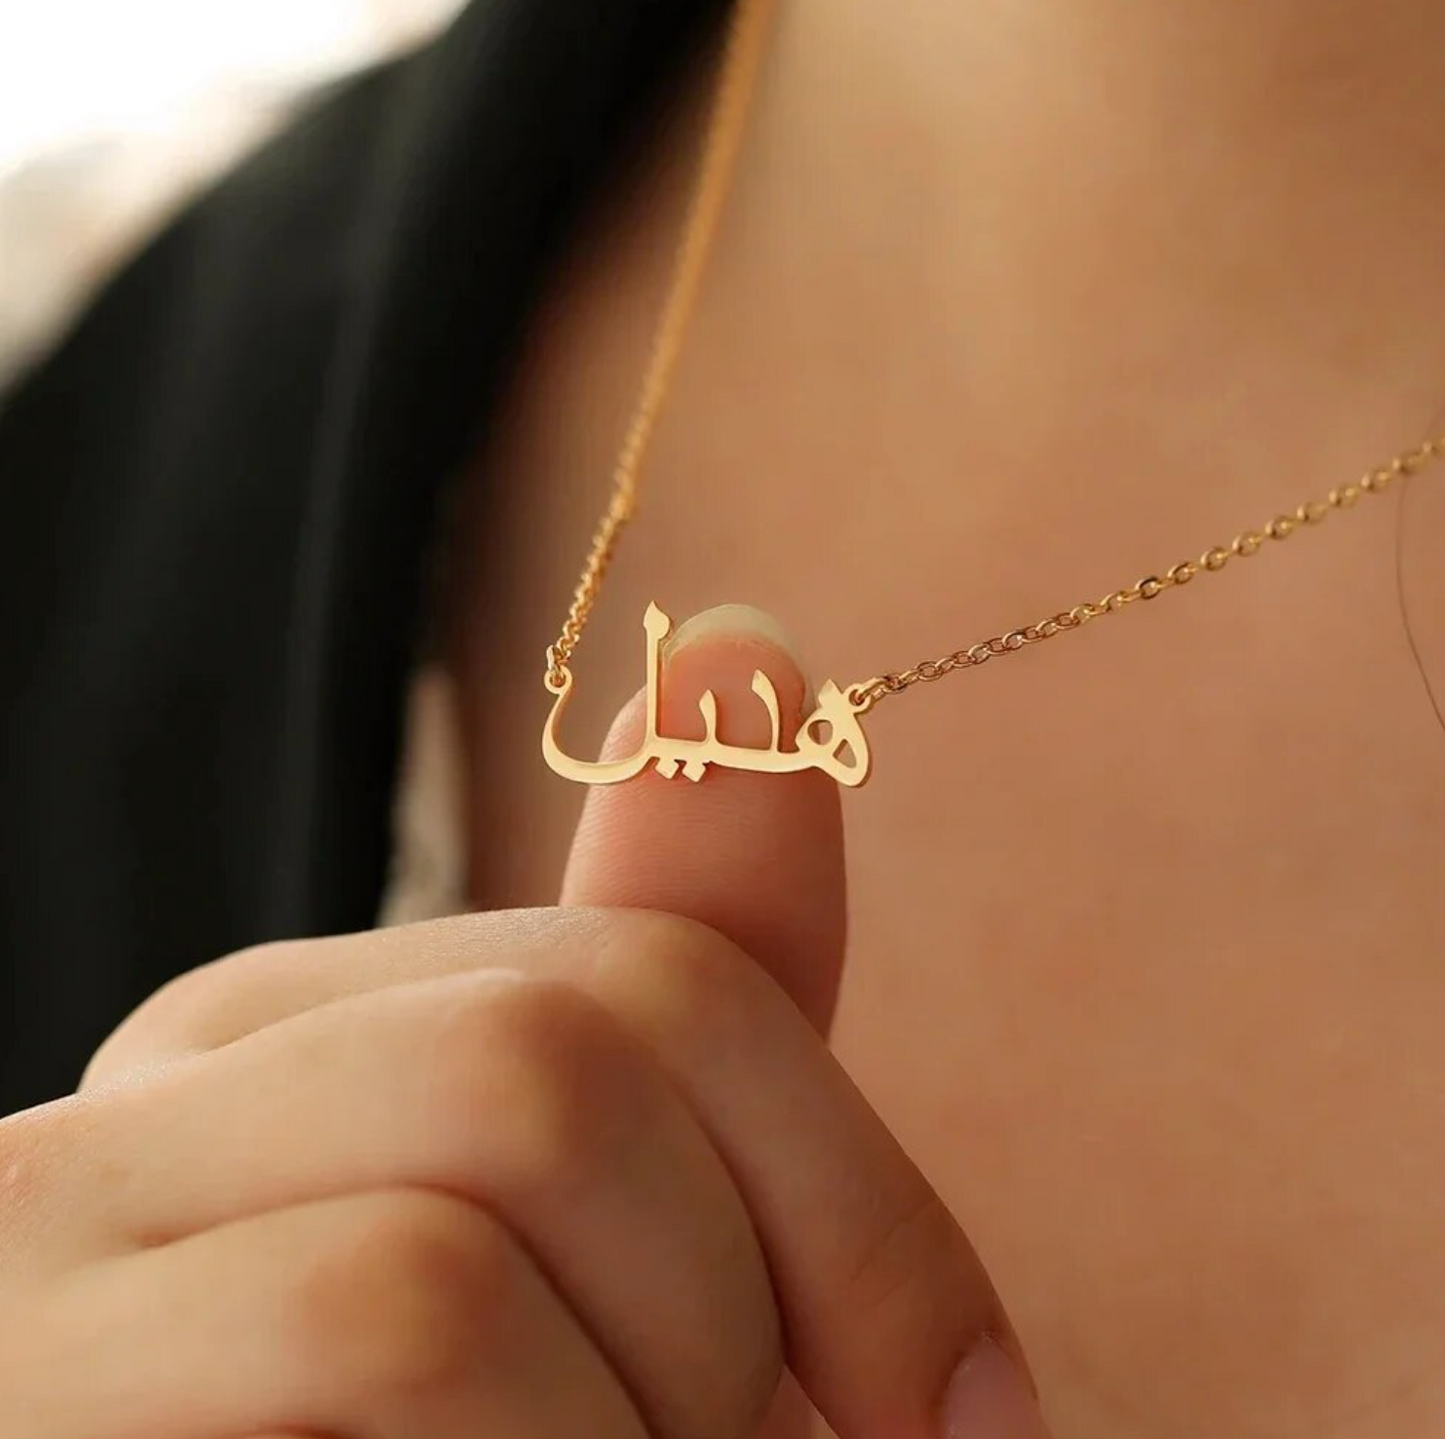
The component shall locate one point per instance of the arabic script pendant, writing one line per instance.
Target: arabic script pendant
(830, 739)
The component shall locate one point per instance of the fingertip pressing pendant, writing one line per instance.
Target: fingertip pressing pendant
(830, 739)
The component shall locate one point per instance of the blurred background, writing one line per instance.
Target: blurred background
(111, 114)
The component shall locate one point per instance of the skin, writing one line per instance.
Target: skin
(583, 1170)
(1145, 960)
(1016, 303)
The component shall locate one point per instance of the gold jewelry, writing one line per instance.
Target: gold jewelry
(831, 738)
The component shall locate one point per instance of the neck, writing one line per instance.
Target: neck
(1243, 199)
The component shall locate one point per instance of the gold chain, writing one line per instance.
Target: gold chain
(1242, 546)
(731, 108)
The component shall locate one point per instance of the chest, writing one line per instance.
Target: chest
(1148, 924)
(1147, 965)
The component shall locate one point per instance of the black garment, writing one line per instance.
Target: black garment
(216, 499)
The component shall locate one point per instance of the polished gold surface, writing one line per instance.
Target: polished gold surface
(728, 122)
(829, 739)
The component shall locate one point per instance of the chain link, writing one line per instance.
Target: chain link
(1244, 545)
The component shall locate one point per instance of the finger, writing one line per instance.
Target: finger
(881, 1294)
(379, 1316)
(757, 857)
(884, 1300)
(523, 1095)
(294, 1434)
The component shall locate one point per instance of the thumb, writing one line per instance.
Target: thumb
(757, 857)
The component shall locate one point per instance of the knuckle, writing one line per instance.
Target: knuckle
(33, 1145)
(399, 1303)
(554, 1082)
(60, 1178)
(912, 1231)
(700, 988)
(194, 1011)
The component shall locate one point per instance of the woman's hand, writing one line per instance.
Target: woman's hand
(584, 1173)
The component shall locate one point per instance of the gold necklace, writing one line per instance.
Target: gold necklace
(831, 738)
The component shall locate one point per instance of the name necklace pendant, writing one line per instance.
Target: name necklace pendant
(831, 738)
